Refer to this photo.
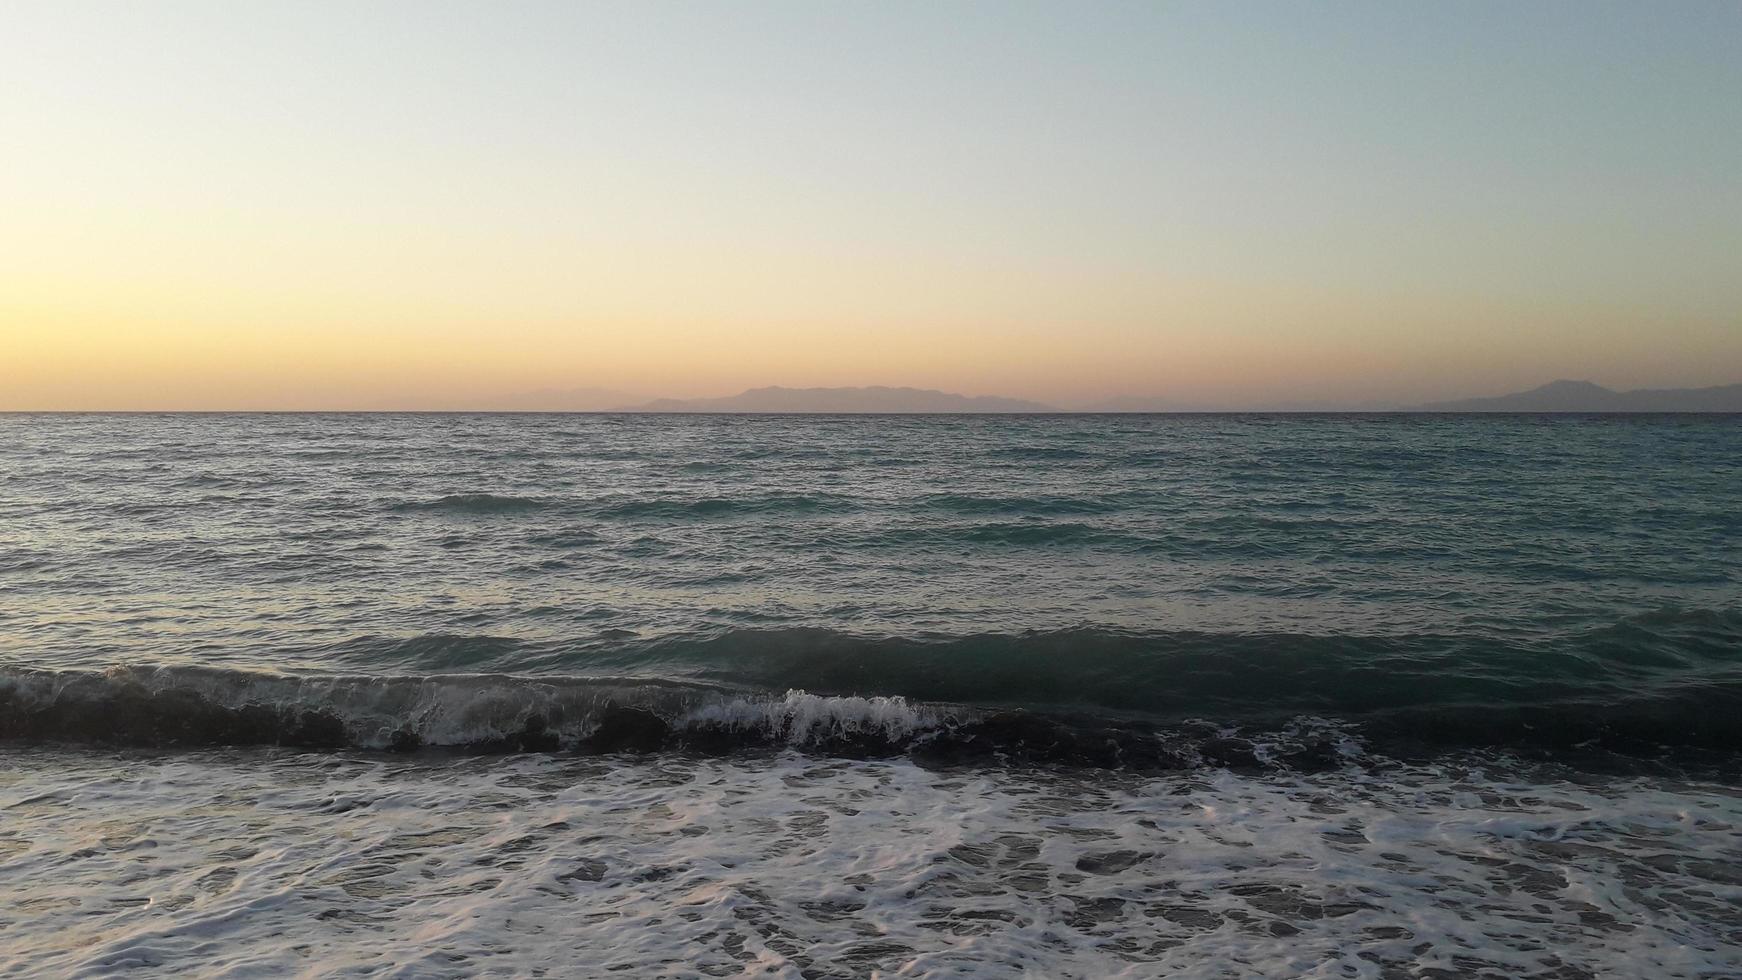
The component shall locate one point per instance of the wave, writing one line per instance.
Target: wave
(196, 707)
(999, 532)
(474, 503)
(1042, 453)
(698, 508)
(683, 507)
(1173, 674)
(677, 508)
(169, 706)
(1159, 674)
(1667, 681)
(1048, 504)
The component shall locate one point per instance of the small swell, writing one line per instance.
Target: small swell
(474, 503)
(703, 508)
(1043, 453)
(1030, 534)
(957, 503)
(1003, 533)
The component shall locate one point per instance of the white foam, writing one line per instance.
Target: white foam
(803, 719)
(262, 863)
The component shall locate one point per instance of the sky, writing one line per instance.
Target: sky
(444, 205)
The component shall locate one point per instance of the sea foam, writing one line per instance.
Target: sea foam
(790, 866)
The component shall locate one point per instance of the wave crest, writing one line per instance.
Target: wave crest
(190, 707)
(801, 718)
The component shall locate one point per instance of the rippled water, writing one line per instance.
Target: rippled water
(1161, 566)
(374, 541)
(1048, 696)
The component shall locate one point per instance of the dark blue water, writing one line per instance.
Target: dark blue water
(416, 579)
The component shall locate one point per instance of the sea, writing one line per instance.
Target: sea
(1050, 696)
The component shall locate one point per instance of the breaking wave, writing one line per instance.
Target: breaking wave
(170, 707)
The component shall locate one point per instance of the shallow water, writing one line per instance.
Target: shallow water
(254, 862)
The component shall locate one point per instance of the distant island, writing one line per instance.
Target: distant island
(1556, 396)
(1585, 396)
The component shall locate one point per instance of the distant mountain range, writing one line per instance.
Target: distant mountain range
(875, 400)
(1584, 396)
(1557, 396)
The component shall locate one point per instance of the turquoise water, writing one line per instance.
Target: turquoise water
(1448, 578)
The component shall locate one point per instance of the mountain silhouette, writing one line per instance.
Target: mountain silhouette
(1556, 396)
(1586, 396)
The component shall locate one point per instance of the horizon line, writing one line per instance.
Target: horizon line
(967, 414)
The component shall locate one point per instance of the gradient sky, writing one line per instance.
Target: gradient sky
(353, 205)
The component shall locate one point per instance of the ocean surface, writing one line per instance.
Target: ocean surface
(801, 696)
